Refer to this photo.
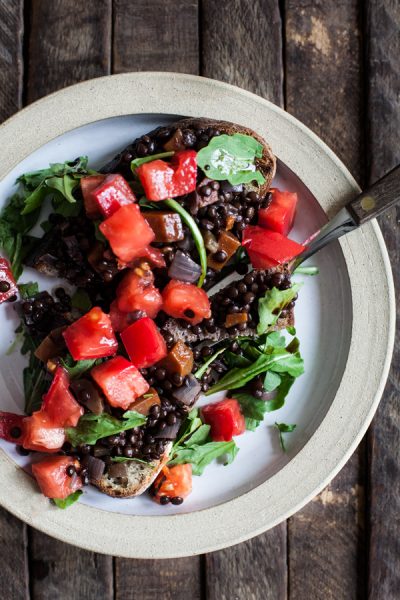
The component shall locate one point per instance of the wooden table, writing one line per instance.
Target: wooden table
(334, 64)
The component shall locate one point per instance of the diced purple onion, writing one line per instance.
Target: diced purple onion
(95, 467)
(169, 432)
(188, 392)
(184, 268)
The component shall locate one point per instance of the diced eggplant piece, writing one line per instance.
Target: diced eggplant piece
(178, 360)
(95, 467)
(202, 197)
(52, 345)
(188, 392)
(175, 143)
(167, 226)
(87, 394)
(227, 243)
(117, 470)
(235, 319)
(143, 404)
(169, 432)
(184, 268)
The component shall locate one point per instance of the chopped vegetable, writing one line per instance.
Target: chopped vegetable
(225, 419)
(59, 404)
(88, 185)
(112, 193)
(11, 427)
(227, 246)
(184, 268)
(127, 232)
(144, 343)
(137, 292)
(283, 428)
(188, 392)
(91, 427)
(178, 360)
(173, 482)
(91, 336)
(162, 180)
(268, 249)
(64, 503)
(235, 319)
(232, 158)
(120, 381)
(41, 434)
(279, 214)
(52, 478)
(143, 404)
(167, 226)
(186, 301)
(271, 306)
(8, 287)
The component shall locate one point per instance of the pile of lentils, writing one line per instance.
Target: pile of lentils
(42, 313)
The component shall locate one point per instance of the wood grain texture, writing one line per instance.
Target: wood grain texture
(69, 41)
(382, 30)
(242, 44)
(323, 89)
(13, 533)
(156, 35)
(74, 45)
(11, 60)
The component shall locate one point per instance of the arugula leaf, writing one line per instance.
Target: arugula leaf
(34, 178)
(271, 306)
(253, 409)
(271, 381)
(35, 385)
(232, 158)
(136, 162)
(68, 501)
(27, 290)
(147, 204)
(196, 234)
(306, 271)
(291, 330)
(81, 300)
(283, 428)
(201, 455)
(208, 362)
(77, 368)
(91, 427)
(235, 360)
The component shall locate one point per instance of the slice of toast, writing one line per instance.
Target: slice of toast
(266, 164)
(139, 478)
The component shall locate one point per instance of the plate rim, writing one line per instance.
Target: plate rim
(261, 508)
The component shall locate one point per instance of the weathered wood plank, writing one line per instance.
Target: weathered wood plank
(241, 44)
(74, 45)
(156, 36)
(69, 41)
(382, 30)
(324, 89)
(13, 533)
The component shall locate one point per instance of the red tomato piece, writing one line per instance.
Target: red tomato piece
(88, 185)
(52, 478)
(128, 232)
(161, 180)
(41, 434)
(186, 301)
(144, 343)
(225, 419)
(120, 381)
(8, 287)
(11, 427)
(59, 404)
(137, 292)
(119, 320)
(280, 213)
(173, 481)
(112, 193)
(91, 336)
(269, 248)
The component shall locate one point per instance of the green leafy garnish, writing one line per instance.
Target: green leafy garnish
(208, 362)
(253, 409)
(77, 368)
(136, 162)
(33, 376)
(196, 234)
(283, 428)
(271, 306)
(306, 271)
(195, 447)
(91, 427)
(27, 290)
(232, 158)
(81, 300)
(68, 501)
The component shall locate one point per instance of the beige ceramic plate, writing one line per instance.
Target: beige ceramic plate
(345, 321)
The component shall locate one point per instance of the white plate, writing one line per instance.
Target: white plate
(331, 404)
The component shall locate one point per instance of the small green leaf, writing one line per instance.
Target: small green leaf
(68, 501)
(198, 374)
(27, 290)
(136, 162)
(91, 427)
(77, 368)
(81, 300)
(271, 306)
(283, 428)
(271, 381)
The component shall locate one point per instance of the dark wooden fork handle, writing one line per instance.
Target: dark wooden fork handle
(381, 196)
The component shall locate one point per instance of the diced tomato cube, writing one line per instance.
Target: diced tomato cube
(128, 232)
(137, 292)
(186, 301)
(91, 336)
(120, 381)
(161, 180)
(225, 419)
(41, 434)
(280, 213)
(267, 248)
(11, 427)
(144, 343)
(8, 287)
(173, 482)
(52, 478)
(88, 185)
(59, 404)
(112, 193)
